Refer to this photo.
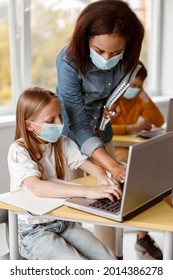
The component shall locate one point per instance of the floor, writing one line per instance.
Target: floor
(129, 239)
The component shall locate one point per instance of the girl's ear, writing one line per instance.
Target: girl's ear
(28, 126)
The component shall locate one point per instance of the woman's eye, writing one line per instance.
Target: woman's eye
(99, 52)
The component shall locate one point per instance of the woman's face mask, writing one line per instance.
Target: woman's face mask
(131, 92)
(102, 63)
(50, 131)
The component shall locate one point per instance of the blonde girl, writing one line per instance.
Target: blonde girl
(37, 159)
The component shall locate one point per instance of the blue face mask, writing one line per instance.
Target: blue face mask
(50, 132)
(131, 92)
(102, 63)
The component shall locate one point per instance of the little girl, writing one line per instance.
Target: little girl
(38, 157)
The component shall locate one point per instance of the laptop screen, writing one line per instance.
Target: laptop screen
(149, 172)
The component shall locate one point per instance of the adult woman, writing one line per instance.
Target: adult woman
(105, 45)
(106, 33)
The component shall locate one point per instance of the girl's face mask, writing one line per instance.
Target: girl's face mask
(50, 131)
(131, 92)
(102, 63)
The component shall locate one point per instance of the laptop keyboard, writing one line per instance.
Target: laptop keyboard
(107, 204)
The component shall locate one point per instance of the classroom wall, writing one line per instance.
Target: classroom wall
(6, 138)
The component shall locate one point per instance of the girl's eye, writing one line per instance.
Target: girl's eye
(50, 121)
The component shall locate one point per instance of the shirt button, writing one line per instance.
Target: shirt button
(109, 84)
(95, 118)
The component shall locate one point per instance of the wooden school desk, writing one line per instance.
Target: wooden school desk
(158, 217)
(126, 140)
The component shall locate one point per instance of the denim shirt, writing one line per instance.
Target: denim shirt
(82, 99)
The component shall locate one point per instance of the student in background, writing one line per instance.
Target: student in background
(37, 158)
(133, 104)
(105, 45)
(137, 112)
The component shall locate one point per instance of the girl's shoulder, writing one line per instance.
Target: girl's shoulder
(69, 147)
(66, 142)
(18, 147)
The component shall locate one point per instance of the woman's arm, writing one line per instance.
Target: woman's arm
(99, 173)
(105, 160)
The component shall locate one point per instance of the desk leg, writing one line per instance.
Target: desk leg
(119, 243)
(13, 235)
(168, 245)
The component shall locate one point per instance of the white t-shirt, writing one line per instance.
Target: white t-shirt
(21, 166)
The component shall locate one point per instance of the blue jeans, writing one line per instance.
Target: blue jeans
(61, 240)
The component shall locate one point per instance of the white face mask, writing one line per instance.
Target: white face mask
(131, 92)
(102, 63)
(50, 131)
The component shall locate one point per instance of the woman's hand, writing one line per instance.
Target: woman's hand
(104, 159)
(118, 173)
(113, 113)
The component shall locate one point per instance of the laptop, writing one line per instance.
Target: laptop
(156, 131)
(149, 178)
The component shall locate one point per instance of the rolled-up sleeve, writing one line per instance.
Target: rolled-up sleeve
(91, 145)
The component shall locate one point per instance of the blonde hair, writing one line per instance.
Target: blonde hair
(30, 103)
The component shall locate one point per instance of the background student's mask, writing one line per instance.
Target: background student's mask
(131, 92)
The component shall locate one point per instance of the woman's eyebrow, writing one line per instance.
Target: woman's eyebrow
(104, 50)
(98, 48)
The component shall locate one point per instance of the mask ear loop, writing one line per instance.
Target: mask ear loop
(34, 130)
(35, 133)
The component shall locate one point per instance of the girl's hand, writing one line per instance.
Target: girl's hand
(103, 179)
(143, 125)
(103, 191)
(144, 96)
(140, 125)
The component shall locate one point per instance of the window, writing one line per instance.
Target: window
(149, 13)
(48, 36)
(5, 79)
(39, 29)
(10, 81)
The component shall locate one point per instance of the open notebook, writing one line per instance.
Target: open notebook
(149, 178)
(26, 200)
